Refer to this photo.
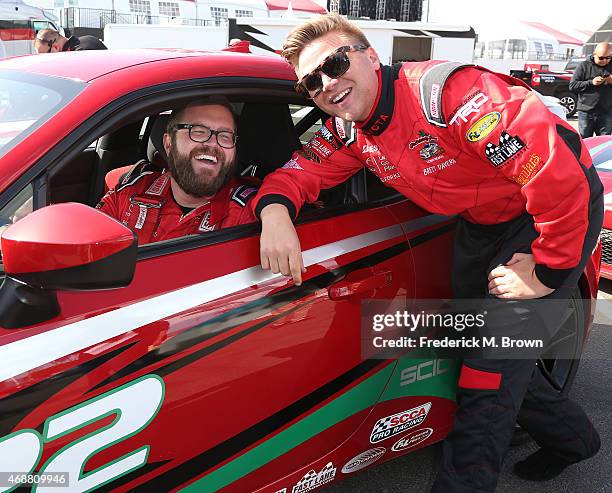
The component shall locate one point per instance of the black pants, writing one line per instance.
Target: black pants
(496, 393)
(594, 122)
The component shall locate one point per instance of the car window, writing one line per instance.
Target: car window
(27, 101)
(19, 207)
(114, 147)
(300, 113)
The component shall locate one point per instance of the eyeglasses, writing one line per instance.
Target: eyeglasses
(201, 134)
(609, 57)
(335, 65)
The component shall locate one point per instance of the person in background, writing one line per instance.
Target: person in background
(51, 41)
(592, 81)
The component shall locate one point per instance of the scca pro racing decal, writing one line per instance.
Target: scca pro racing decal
(364, 459)
(412, 439)
(397, 423)
(509, 146)
(134, 406)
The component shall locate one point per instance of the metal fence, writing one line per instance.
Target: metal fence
(523, 55)
(74, 17)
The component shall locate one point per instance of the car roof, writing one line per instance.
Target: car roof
(94, 64)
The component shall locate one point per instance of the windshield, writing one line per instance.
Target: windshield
(27, 101)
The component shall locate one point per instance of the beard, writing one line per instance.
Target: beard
(205, 183)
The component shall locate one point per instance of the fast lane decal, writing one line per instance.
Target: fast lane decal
(312, 479)
(508, 147)
(397, 423)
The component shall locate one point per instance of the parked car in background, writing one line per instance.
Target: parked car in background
(572, 64)
(182, 365)
(549, 83)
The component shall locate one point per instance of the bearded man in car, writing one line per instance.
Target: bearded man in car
(199, 192)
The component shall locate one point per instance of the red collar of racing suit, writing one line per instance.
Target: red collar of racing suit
(382, 112)
(157, 200)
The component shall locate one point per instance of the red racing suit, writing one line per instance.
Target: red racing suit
(458, 139)
(145, 204)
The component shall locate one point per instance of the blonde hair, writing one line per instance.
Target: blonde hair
(315, 28)
(47, 34)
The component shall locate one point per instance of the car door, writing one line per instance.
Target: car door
(205, 370)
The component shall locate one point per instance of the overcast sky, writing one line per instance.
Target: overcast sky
(580, 14)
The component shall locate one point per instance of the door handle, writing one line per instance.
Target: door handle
(367, 282)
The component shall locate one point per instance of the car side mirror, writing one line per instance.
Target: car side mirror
(65, 246)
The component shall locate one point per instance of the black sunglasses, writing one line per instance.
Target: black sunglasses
(335, 65)
(609, 57)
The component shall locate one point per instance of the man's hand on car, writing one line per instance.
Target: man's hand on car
(279, 243)
(517, 280)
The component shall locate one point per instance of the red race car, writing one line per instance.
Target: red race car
(182, 365)
(601, 152)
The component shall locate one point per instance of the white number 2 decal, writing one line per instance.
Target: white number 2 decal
(134, 406)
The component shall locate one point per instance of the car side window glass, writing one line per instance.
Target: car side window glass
(19, 207)
(300, 113)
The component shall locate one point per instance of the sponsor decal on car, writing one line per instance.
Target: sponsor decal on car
(508, 147)
(397, 423)
(364, 459)
(134, 404)
(412, 439)
(313, 479)
(483, 127)
(472, 106)
(528, 170)
(424, 371)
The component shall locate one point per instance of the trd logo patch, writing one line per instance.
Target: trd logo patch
(398, 423)
(509, 146)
